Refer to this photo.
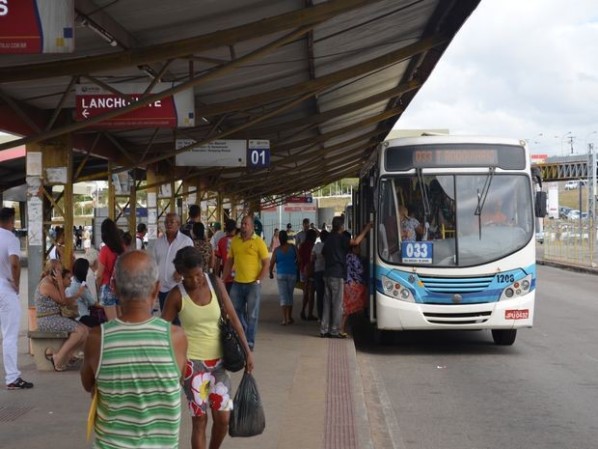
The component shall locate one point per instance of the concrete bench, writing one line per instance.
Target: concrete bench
(40, 341)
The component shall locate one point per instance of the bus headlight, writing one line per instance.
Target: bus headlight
(396, 290)
(517, 288)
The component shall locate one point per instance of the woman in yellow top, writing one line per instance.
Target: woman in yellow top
(206, 382)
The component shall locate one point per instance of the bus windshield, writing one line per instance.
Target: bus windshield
(453, 220)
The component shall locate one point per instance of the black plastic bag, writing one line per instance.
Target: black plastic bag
(247, 418)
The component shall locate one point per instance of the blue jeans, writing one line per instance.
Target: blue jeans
(286, 286)
(246, 299)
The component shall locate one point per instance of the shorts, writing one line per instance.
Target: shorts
(286, 285)
(206, 382)
(107, 296)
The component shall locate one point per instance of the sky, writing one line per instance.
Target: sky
(526, 69)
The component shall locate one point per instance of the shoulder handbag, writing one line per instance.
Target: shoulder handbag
(69, 311)
(233, 354)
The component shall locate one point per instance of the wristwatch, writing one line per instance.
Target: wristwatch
(258, 282)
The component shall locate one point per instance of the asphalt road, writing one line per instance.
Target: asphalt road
(459, 390)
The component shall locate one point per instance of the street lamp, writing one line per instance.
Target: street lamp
(568, 135)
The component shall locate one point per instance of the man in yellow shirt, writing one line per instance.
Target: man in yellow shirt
(249, 255)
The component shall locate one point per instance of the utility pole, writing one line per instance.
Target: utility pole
(592, 179)
(571, 138)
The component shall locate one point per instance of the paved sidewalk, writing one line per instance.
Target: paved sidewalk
(311, 389)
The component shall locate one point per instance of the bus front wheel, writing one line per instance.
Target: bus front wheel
(504, 337)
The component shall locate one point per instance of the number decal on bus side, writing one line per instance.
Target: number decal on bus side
(505, 278)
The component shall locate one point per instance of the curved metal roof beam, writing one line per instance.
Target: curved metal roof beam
(184, 47)
(158, 96)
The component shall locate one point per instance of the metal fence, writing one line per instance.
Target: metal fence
(570, 241)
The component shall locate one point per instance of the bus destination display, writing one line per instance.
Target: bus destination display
(502, 156)
(443, 158)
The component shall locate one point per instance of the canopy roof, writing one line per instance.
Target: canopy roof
(323, 81)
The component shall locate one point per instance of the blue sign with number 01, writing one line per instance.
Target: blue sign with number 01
(258, 157)
(417, 252)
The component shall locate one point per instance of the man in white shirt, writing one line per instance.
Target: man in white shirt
(10, 306)
(164, 252)
(92, 257)
(57, 251)
(218, 234)
(301, 235)
(140, 236)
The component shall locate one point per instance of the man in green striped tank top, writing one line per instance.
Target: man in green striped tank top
(135, 363)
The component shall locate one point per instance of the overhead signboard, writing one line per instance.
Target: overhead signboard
(299, 208)
(300, 199)
(37, 26)
(176, 111)
(219, 153)
(258, 154)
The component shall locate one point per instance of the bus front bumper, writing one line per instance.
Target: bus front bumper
(394, 314)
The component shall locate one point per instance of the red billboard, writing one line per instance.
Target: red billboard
(36, 26)
(169, 112)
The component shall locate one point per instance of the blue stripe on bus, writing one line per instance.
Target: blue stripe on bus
(440, 289)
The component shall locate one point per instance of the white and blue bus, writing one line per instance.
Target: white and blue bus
(453, 244)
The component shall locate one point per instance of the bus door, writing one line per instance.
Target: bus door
(364, 207)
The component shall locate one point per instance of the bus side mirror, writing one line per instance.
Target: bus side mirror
(541, 204)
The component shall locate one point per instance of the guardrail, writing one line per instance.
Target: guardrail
(570, 241)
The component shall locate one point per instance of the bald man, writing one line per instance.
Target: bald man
(142, 358)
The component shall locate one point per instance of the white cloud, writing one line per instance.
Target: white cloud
(518, 69)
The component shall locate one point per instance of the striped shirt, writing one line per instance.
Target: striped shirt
(138, 381)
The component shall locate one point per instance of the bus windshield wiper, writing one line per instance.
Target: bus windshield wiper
(424, 193)
(482, 198)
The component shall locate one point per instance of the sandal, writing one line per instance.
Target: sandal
(73, 364)
(57, 367)
(340, 335)
(50, 357)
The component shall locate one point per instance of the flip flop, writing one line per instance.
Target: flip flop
(56, 367)
(50, 357)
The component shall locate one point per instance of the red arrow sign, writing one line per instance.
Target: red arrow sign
(160, 114)
(92, 101)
